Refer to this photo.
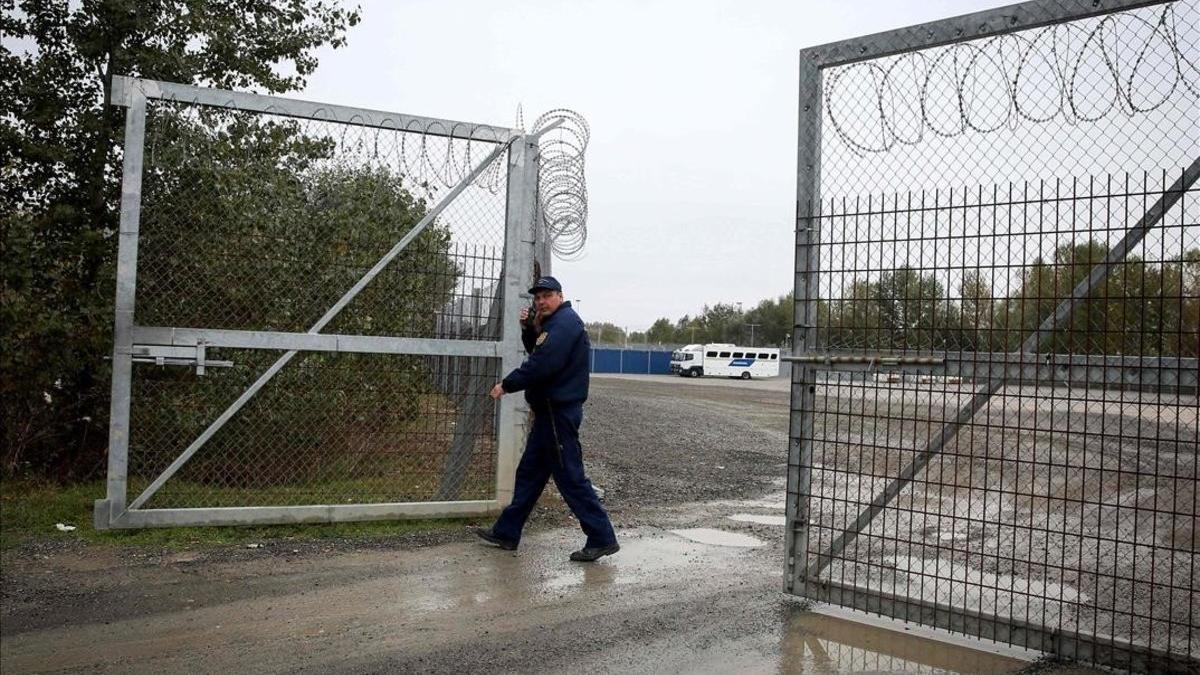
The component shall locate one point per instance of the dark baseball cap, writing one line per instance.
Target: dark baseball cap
(546, 284)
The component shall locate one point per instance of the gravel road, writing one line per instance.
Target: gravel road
(681, 462)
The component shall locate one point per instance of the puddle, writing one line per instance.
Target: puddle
(816, 643)
(762, 520)
(643, 555)
(706, 535)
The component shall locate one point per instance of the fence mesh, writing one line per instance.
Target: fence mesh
(260, 222)
(965, 193)
(329, 429)
(255, 221)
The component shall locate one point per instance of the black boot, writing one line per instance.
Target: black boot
(486, 535)
(593, 553)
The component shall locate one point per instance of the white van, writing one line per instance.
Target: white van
(725, 360)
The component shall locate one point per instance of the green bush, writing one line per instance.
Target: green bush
(60, 186)
(256, 223)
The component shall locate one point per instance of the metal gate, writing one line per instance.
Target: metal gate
(994, 404)
(324, 296)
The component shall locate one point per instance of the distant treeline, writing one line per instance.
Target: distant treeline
(1142, 309)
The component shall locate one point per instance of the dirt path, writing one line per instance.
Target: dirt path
(675, 457)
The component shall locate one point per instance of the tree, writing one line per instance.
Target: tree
(909, 304)
(204, 214)
(1152, 309)
(1188, 266)
(976, 313)
(854, 319)
(1140, 309)
(1045, 284)
(604, 333)
(903, 309)
(59, 192)
(774, 319)
(721, 322)
(662, 332)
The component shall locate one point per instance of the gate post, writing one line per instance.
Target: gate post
(804, 331)
(519, 241)
(112, 506)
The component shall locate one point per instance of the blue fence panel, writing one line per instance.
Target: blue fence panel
(635, 361)
(606, 360)
(660, 363)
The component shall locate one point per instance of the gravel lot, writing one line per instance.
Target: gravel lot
(652, 440)
(1070, 509)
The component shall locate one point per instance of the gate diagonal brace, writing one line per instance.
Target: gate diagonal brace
(324, 321)
(1032, 344)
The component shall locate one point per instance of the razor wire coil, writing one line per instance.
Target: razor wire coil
(562, 184)
(1095, 71)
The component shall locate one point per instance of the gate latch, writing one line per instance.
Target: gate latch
(168, 355)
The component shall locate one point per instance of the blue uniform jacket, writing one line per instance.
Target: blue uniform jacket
(556, 370)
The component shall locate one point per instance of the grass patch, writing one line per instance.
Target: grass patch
(29, 512)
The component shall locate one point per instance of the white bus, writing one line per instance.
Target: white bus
(725, 360)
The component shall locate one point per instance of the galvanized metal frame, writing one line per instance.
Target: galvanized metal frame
(1081, 370)
(112, 512)
(311, 342)
(122, 358)
(287, 356)
(519, 247)
(798, 579)
(1011, 630)
(804, 383)
(127, 90)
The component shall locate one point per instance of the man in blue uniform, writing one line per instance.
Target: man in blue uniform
(555, 381)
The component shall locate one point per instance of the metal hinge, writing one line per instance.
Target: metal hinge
(166, 355)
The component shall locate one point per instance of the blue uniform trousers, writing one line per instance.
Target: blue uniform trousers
(541, 460)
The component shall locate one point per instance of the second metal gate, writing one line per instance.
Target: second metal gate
(994, 412)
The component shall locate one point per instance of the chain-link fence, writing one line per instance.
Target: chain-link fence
(321, 300)
(995, 413)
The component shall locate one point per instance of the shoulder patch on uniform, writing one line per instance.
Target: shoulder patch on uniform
(542, 338)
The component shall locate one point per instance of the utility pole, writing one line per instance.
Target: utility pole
(752, 327)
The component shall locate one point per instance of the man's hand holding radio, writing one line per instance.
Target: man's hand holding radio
(529, 317)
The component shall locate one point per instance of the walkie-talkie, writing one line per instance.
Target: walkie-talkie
(537, 274)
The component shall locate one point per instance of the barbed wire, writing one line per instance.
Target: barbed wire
(430, 155)
(1126, 63)
(562, 185)
(442, 162)
(428, 151)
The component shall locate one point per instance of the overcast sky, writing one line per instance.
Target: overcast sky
(693, 110)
